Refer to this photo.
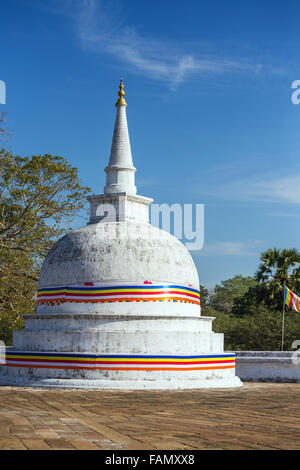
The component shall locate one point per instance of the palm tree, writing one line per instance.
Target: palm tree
(279, 267)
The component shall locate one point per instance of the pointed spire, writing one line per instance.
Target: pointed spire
(120, 172)
(121, 101)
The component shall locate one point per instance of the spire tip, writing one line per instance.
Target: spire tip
(121, 101)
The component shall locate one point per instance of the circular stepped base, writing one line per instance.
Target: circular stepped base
(231, 382)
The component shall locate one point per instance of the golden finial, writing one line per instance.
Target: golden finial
(121, 100)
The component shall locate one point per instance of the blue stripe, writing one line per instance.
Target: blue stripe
(285, 293)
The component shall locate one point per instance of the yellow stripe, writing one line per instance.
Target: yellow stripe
(288, 296)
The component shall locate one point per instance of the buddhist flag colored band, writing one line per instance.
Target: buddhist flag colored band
(118, 292)
(119, 362)
(291, 299)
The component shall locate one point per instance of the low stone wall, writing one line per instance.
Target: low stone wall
(268, 366)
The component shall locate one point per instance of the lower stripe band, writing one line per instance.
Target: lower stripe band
(118, 362)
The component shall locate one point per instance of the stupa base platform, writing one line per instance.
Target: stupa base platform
(118, 352)
(115, 371)
(213, 382)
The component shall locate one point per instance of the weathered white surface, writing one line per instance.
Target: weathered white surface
(118, 251)
(118, 335)
(124, 308)
(117, 322)
(118, 208)
(213, 381)
(120, 173)
(267, 366)
(119, 342)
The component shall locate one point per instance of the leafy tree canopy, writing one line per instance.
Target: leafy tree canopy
(259, 330)
(204, 296)
(278, 267)
(38, 195)
(225, 295)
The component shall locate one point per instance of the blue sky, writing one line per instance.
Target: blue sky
(210, 115)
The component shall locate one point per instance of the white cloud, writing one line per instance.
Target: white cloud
(284, 189)
(100, 28)
(229, 249)
(242, 182)
(285, 215)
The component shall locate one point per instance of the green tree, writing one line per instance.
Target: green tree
(38, 196)
(246, 304)
(204, 296)
(259, 330)
(278, 267)
(225, 295)
(252, 320)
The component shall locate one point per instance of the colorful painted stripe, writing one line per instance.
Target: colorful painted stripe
(118, 362)
(104, 292)
(291, 299)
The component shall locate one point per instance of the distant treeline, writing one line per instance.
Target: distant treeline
(248, 310)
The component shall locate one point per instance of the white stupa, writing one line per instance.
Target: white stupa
(118, 302)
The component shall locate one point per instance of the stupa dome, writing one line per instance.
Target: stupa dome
(118, 254)
(94, 253)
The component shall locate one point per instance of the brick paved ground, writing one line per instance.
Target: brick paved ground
(257, 416)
